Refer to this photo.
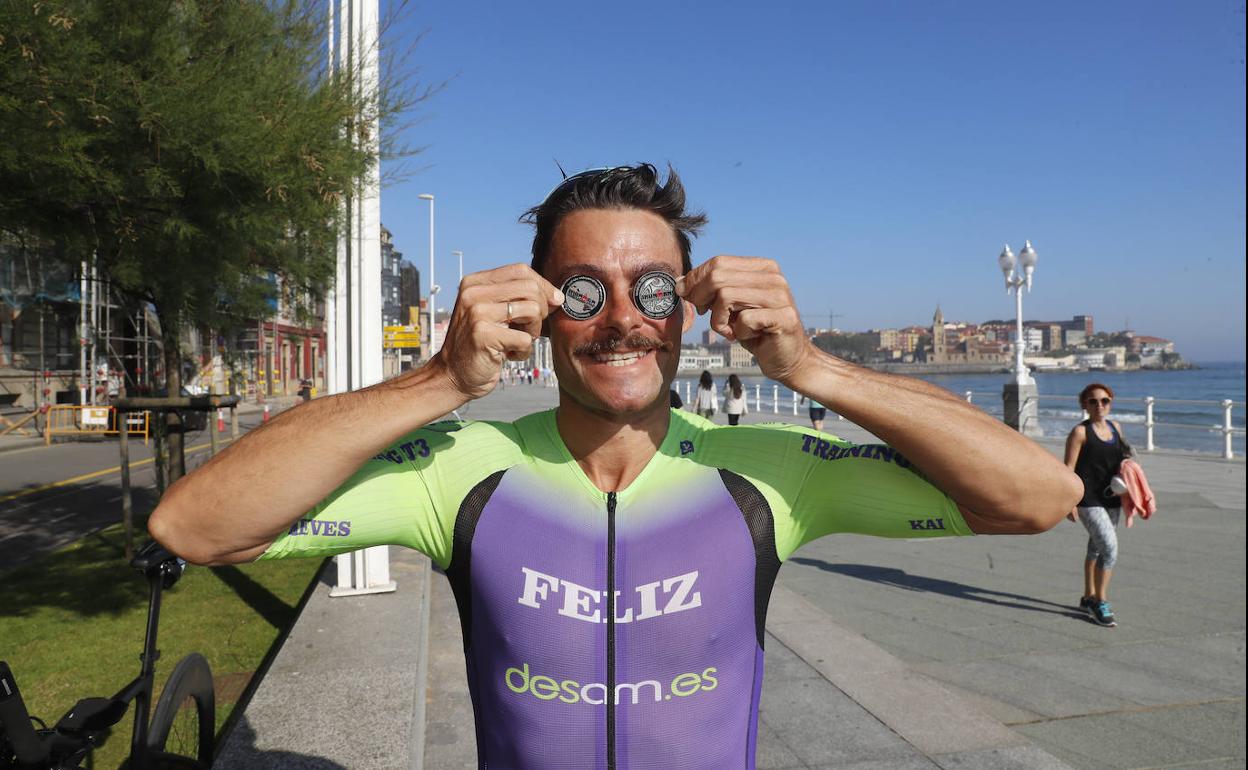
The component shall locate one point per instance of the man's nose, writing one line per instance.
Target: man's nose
(621, 314)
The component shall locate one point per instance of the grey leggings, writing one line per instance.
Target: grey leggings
(1101, 524)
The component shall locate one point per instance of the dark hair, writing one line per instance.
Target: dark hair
(1083, 394)
(623, 187)
(705, 381)
(734, 384)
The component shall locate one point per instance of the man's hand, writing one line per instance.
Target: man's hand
(1073, 515)
(497, 316)
(749, 301)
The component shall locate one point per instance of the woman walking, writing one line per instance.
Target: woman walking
(1094, 450)
(817, 414)
(734, 400)
(705, 402)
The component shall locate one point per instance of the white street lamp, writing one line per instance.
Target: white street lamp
(432, 287)
(1017, 275)
(1021, 395)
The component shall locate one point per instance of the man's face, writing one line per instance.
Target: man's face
(619, 362)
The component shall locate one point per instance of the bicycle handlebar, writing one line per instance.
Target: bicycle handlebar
(154, 561)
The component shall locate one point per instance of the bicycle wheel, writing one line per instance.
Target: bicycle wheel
(184, 721)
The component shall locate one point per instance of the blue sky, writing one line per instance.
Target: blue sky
(881, 151)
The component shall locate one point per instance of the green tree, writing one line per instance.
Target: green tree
(1109, 339)
(1172, 361)
(851, 347)
(193, 149)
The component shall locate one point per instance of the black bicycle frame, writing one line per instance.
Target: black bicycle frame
(137, 692)
(140, 690)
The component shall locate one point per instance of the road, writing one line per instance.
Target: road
(51, 496)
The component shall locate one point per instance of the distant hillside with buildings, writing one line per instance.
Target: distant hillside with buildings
(962, 345)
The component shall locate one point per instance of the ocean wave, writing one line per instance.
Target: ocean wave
(1073, 416)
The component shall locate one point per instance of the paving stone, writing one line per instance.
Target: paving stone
(1011, 758)
(1028, 689)
(1130, 740)
(1132, 683)
(772, 753)
(801, 717)
(342, 691)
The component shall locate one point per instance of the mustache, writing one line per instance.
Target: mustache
(633, 341)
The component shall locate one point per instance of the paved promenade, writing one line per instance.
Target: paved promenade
(959, 653)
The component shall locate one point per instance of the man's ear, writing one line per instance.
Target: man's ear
(690, 313)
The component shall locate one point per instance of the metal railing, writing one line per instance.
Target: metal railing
(776, 403)
(1228, 429)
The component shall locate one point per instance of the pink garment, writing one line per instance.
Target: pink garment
(1139, 497)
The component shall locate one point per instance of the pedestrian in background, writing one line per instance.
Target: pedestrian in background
(705, 402)
(734, 399)
(1094, 451)
(673, 397)
(817, 414)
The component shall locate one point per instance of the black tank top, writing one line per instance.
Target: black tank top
(1098, 462)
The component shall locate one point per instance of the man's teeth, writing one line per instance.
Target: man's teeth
(618, 359)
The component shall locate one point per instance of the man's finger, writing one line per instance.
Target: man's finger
(738, 296)
(511, 275)
(482, 297)
(515, 345)
(496, 275)
(756, 322)
(502, 341)
(728, 262)
(515, 312)
(525, 315)
(703, 288)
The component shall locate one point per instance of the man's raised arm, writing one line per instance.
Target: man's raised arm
(1002, 482)
(234, 506)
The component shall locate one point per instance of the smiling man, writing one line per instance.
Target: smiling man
(612, 559)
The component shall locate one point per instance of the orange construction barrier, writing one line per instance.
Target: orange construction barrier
(70, 420)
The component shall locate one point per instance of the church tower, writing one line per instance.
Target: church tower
(939, 352)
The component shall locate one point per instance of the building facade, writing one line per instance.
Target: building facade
(733, 354)
(966, 350)
(392, 311)
(698, 357)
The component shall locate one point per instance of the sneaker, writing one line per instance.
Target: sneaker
(1103, 614)
(1085, 604)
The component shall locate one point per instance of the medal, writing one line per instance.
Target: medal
(583, 297)
(655, 294)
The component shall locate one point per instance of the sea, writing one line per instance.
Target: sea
(1179, 425)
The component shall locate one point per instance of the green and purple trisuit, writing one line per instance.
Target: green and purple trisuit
(621, 629)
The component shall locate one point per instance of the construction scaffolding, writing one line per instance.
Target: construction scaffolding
(69, 337)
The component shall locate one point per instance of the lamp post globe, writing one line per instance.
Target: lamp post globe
(1006, 261)
(1027, 258)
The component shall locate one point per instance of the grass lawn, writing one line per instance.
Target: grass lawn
(72, 623)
